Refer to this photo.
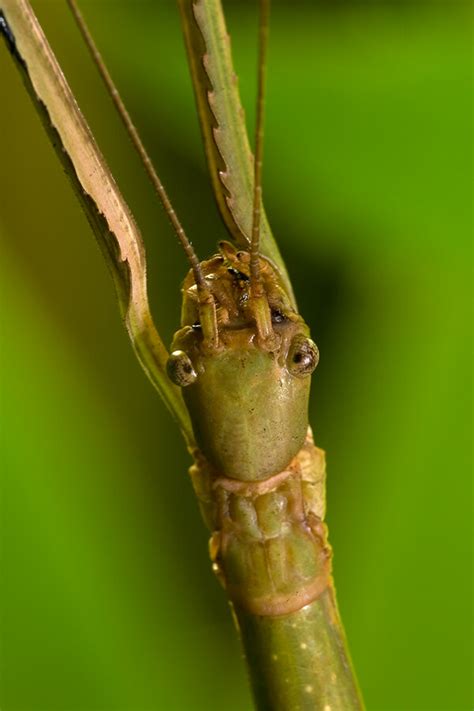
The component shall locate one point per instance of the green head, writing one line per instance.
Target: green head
(246, 392)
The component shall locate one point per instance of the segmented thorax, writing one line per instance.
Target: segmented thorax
(269, 545)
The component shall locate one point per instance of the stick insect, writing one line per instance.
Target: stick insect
(238, 372)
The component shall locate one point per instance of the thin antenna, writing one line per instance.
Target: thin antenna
(255, 281)
(140, 148)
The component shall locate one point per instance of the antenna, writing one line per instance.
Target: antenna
(258, 301)
(203, 290)
(255, 280)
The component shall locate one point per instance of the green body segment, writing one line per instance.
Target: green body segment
(270, 551)
(299, 660)
(236, 429)
(269, 544)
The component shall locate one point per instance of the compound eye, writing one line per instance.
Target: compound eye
(180, 369)
(303, 356)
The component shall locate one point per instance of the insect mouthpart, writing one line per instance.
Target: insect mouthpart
(277, 316)
(238, 274)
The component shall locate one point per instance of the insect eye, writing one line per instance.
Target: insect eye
(180, 369)
(303, 356)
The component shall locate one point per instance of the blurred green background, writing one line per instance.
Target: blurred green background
(107, 598)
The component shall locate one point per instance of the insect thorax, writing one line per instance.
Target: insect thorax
(269, 545)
